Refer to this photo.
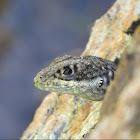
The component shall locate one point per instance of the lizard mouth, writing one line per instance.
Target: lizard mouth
(38, 84)
(35, 81)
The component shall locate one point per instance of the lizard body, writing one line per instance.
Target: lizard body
(84, 76)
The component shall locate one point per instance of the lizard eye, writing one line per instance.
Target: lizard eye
(67, 71)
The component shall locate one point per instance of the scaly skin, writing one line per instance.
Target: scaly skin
(85, 76)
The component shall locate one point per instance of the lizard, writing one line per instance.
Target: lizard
(84, 76)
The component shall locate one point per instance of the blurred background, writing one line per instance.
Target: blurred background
(32, 34)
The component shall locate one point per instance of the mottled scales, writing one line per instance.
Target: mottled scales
(84, 76)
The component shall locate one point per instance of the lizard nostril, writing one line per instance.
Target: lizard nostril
(42, 78)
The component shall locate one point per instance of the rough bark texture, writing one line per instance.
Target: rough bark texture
(69, 117)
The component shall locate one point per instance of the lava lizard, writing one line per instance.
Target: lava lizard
(84, 76)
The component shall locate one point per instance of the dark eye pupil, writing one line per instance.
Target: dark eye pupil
(68, 71)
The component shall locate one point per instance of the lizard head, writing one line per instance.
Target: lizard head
(73, 75)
